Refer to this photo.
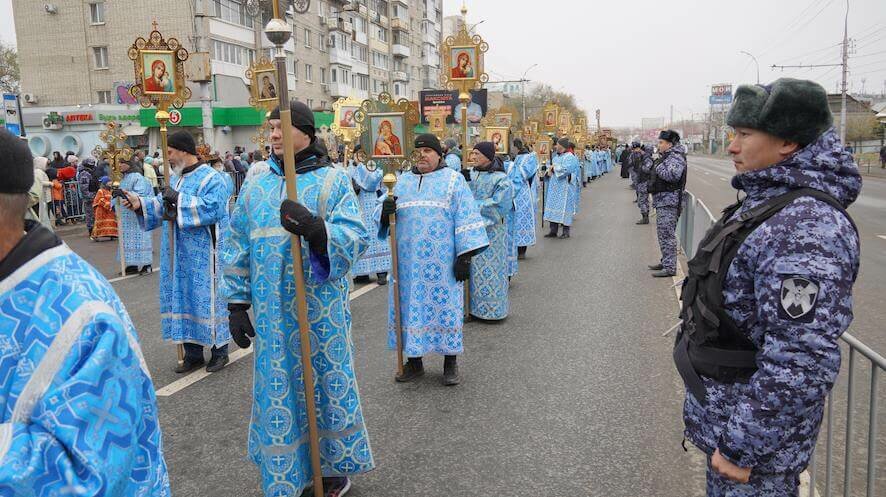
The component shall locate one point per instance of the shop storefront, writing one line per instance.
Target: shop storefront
(78, 129)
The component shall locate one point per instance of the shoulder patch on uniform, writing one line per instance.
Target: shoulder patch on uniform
(799, 297)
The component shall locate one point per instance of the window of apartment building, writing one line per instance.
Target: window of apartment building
(400, 38)
(97, 12)
(323, 104)
(104, 97)
(379, 32)
(231, 53)
(232, 11)
(359, 52)
(380, 6)
(307, 38)
(321, 42)
(323, 75)
(100, 55)
(399, 11)
(379, 60)
(374, 86)
(360, 25)
(309, 73)
(345, 76)
(360, 81)
(310, 103)
(397, 89)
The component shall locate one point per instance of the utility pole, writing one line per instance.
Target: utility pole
(202, 42)
(844, 86)
(845, 75)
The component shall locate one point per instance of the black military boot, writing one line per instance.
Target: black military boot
(644, 219)
(664, 274)
(414, 368)
(521, 252)
(553, 232)
(565, 232)
(657, 267)
(130, 270)
(450, 371)
(361, 279)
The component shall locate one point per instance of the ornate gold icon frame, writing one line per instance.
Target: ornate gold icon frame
(387, 109)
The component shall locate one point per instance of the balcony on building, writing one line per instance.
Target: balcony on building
(399, 50)
(400, 76)
(340, 56)
(339, 90)
(400, 24)
(338, 24)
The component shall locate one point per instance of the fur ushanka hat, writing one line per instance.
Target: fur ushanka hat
(792, 109)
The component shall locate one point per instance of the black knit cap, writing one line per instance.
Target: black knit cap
(563, 142)
(792, 109)
(301, 117)
(486, 148)
(428, 140)
(183, 141)
(16, 164)
(669, 135)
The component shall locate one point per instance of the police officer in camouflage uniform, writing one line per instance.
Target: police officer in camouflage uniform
(644, 171)
(769, 293)
(666, 184)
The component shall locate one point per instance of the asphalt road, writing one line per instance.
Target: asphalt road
(574, 394)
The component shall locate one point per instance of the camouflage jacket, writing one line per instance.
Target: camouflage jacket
(670, 168)
(789, 288)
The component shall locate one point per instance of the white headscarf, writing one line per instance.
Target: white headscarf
(40, 163)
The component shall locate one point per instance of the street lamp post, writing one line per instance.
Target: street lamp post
(523, 89)
(755, 63)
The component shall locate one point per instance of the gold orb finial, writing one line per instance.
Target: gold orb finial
(464, 9)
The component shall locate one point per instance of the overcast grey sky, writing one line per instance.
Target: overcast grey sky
(636, 58)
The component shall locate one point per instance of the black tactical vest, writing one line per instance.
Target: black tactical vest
(710, 343)
(660, 185)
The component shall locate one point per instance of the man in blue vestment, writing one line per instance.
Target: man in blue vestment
(489, 272)
(561, 196)
(258, 273)
(439, 230)
(78, 415)
(196, 201)
(451, 154)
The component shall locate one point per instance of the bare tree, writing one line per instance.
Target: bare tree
(9, 71)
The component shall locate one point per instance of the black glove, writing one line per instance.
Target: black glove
(118, 193)
(388, 207)
(355, 186)
(462, 267)
(170, 196)
(298, 220)
(467, 174)
(240, 325)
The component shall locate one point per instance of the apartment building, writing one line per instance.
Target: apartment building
(76, 72)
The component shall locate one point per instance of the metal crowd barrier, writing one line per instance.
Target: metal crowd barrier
(73, 200)
(694, 222)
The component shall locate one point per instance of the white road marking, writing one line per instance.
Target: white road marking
(706, 173)
(882, 236)
(722, 179)
(181, 384)
(121, 278)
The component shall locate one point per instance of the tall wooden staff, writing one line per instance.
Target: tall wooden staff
(160, 82)
(114, 151)
(403, 116)
(278, 33)
(463, 56)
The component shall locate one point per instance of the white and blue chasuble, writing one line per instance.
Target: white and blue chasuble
(191, 310)
(437, 220)
(561, 197)
(453, 161)
(523, 178)
(377, 258)
(138, 247)
(78, 414)
(490, 269)
(259, 272)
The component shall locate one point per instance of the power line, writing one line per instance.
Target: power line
(789, 32)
